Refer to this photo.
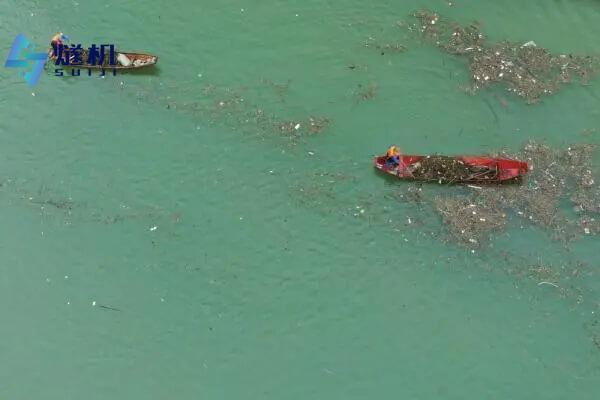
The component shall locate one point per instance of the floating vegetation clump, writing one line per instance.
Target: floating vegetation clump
(589, 225)
(444, 169)
(468, 221)
(384, 48)
(555, 177)
(280, 89)
(412, 195)
(317, 124)
(366, 92)
(311, 126)
(321, 190)
(527, 70)
(240, 109)
(563, 277)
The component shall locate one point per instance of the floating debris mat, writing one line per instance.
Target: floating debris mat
(559, 195)
(524, 68)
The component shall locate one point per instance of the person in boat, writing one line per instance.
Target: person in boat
(56, 41)
(392, 157)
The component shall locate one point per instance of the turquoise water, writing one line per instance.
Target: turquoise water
(163, 238)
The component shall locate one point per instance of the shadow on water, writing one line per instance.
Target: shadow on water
(147, 71)
(68, 71)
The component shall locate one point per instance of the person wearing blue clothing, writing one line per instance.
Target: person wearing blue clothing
(392, 157)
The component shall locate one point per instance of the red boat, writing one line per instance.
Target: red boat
(455, 169)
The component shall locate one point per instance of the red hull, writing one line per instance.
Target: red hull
(498, 169)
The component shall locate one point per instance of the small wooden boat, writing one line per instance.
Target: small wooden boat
(122, 60)
(453, 169)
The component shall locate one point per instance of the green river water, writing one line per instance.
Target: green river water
(161, 241)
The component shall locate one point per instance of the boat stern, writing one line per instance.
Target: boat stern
(379, 162)
(512, 169)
